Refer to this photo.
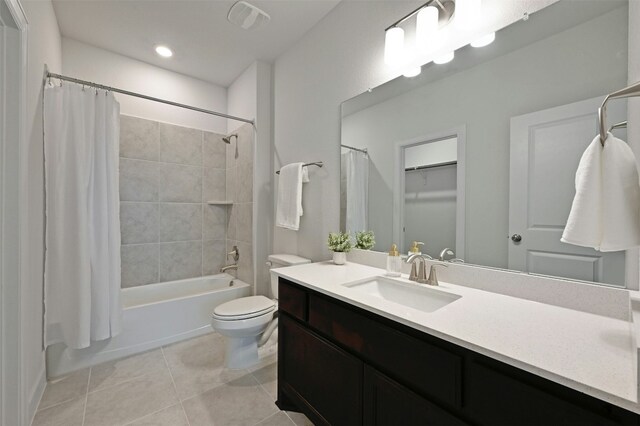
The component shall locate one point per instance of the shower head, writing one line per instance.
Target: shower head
(227, 140)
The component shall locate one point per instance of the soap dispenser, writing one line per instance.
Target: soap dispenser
(415, 248)
(394, 262)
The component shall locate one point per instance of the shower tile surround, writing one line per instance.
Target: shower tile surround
(167, 175)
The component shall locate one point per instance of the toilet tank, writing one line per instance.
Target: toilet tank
(280, 261)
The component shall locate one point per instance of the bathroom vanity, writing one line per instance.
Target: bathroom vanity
(352, 356)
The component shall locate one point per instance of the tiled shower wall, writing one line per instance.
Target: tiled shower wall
(240, 189)
(167, 175)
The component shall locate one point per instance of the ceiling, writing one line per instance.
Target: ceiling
(205, 45)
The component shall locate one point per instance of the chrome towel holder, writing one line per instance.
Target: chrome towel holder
(627, 92)
(316, 163)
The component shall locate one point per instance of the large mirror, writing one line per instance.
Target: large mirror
(479, 155)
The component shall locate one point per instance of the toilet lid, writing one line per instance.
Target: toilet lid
(244, 307)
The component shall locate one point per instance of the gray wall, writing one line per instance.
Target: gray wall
(583, 62)
(167, 175)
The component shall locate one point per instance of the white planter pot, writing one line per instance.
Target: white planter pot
(339, 258)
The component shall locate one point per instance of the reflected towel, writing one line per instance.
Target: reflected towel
(605, 213)
(289, 203)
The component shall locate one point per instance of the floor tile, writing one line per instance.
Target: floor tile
(65, 414)
(197, 365)
(299, 419)
(278, 419)
(240, 402)
(65, 388)
(119, 371)
(267, 376)
(171, 416)
(130, 400)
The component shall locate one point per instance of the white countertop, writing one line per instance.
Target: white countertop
(591, 353)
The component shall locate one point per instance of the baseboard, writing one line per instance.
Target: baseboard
(35, 394)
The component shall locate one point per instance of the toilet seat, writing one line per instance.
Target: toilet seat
(244, 308)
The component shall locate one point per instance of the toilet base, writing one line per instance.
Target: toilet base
(241, 352)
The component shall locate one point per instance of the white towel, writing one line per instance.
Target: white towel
(605, 213)
(289, 204)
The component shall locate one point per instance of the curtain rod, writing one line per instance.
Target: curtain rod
(355, 149)
(149, 98)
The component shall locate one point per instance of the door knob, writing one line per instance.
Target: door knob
(516, 238)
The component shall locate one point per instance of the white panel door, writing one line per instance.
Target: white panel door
(546, 147)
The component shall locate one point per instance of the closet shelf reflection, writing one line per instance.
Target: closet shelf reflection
(220, 202)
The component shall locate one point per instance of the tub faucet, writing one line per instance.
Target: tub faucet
(227, 267)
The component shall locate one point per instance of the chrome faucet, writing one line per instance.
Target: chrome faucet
(445, 252)
(418, 274)
(227, 267)
(448, 252)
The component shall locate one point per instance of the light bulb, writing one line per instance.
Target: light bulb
(164, 51)
(484, 40)
(394, 46)
(427, 28)
(444, 58)
(412, 71)
(467, 14)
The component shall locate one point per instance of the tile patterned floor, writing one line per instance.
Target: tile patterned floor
(184, 384)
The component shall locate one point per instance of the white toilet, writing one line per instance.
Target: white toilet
(249, 321)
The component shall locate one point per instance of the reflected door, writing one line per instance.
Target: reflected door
(546, 147)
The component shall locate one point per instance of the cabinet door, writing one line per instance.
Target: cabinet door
(386, 402)
(314, 372)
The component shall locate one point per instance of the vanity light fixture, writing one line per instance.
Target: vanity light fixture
(394, 47)
(412, 71)
(431, 16)
(164, 51)
(445, 58)
(427, 28)
(484, 40)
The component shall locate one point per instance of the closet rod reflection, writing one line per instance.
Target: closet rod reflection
(149, 98)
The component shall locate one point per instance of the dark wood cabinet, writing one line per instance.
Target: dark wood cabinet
(388, 403)
(326, 379)
(343, 365)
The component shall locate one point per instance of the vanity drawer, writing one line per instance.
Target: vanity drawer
(292, 299)
(424, 367)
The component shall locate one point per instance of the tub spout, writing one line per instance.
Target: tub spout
(227, 267)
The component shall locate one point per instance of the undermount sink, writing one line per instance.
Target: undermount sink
(415, 296)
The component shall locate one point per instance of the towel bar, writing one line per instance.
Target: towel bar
(627, 92)
(317, 163)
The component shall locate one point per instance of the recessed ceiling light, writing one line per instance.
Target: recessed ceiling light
(484, 40)
(164, 51)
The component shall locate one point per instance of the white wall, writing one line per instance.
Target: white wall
(633, 114)
(242, 97)
(250, 96)
(104, 67)
(336, 60)
(44, 48)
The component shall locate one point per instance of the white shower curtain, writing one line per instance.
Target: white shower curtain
(357, 169)
(82, 260)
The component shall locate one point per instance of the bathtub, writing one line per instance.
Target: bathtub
(153, 315)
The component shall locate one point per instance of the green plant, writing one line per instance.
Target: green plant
(339, 242)
(365, 240)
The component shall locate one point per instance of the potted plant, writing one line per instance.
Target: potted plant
(365, 240)
(340, 244)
